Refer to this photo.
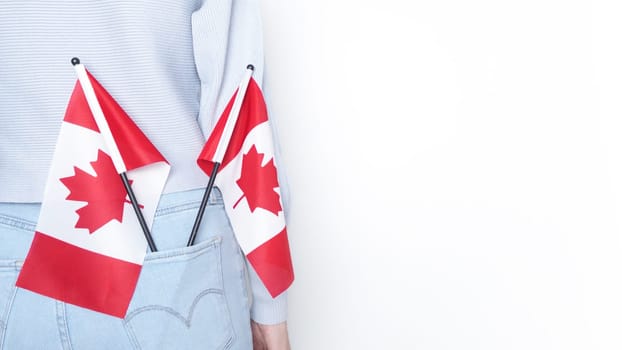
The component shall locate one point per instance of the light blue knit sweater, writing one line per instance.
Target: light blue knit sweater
(172, 65)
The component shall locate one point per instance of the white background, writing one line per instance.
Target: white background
(455, 170)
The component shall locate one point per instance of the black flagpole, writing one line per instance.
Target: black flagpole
(139, 213)
(132, 196)
(208, 191)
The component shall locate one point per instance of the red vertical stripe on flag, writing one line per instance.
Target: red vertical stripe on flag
(135, 148)
(273, 263)
(252, 113)
(78, 111)
(78, 276)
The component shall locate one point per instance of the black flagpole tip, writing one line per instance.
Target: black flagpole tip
(251, 67)
(75, 61)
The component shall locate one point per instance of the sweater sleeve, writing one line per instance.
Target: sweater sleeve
(227, 36)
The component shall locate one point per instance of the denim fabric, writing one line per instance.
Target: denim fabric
(187, 297)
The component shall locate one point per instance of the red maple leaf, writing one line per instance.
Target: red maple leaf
(104, 193)
(258, 183)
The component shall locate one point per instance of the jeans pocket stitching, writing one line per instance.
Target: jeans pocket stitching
(4, 316)
(177, 208)
(188, 254)
(17, 223)
(186, 320)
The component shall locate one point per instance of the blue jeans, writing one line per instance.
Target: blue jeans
(186, 298)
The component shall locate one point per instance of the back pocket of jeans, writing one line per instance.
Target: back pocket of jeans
(179, 302)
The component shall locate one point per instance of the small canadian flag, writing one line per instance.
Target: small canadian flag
(248, 181)
(88, 247)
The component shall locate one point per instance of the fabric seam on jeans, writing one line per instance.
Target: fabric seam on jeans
(4, 325)
(17, 223)
(189, 253)
(186, 320)
(10, 265)
(244, 267)
(63, 327)
(227, 311)
(177, 208)
(130, 334)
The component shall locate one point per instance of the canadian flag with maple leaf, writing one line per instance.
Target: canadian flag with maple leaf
(247, 179)
(89, 247)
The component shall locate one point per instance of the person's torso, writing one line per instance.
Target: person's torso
(140, 51)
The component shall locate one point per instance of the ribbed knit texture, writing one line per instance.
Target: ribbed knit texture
(171, 65)
(143, 54)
